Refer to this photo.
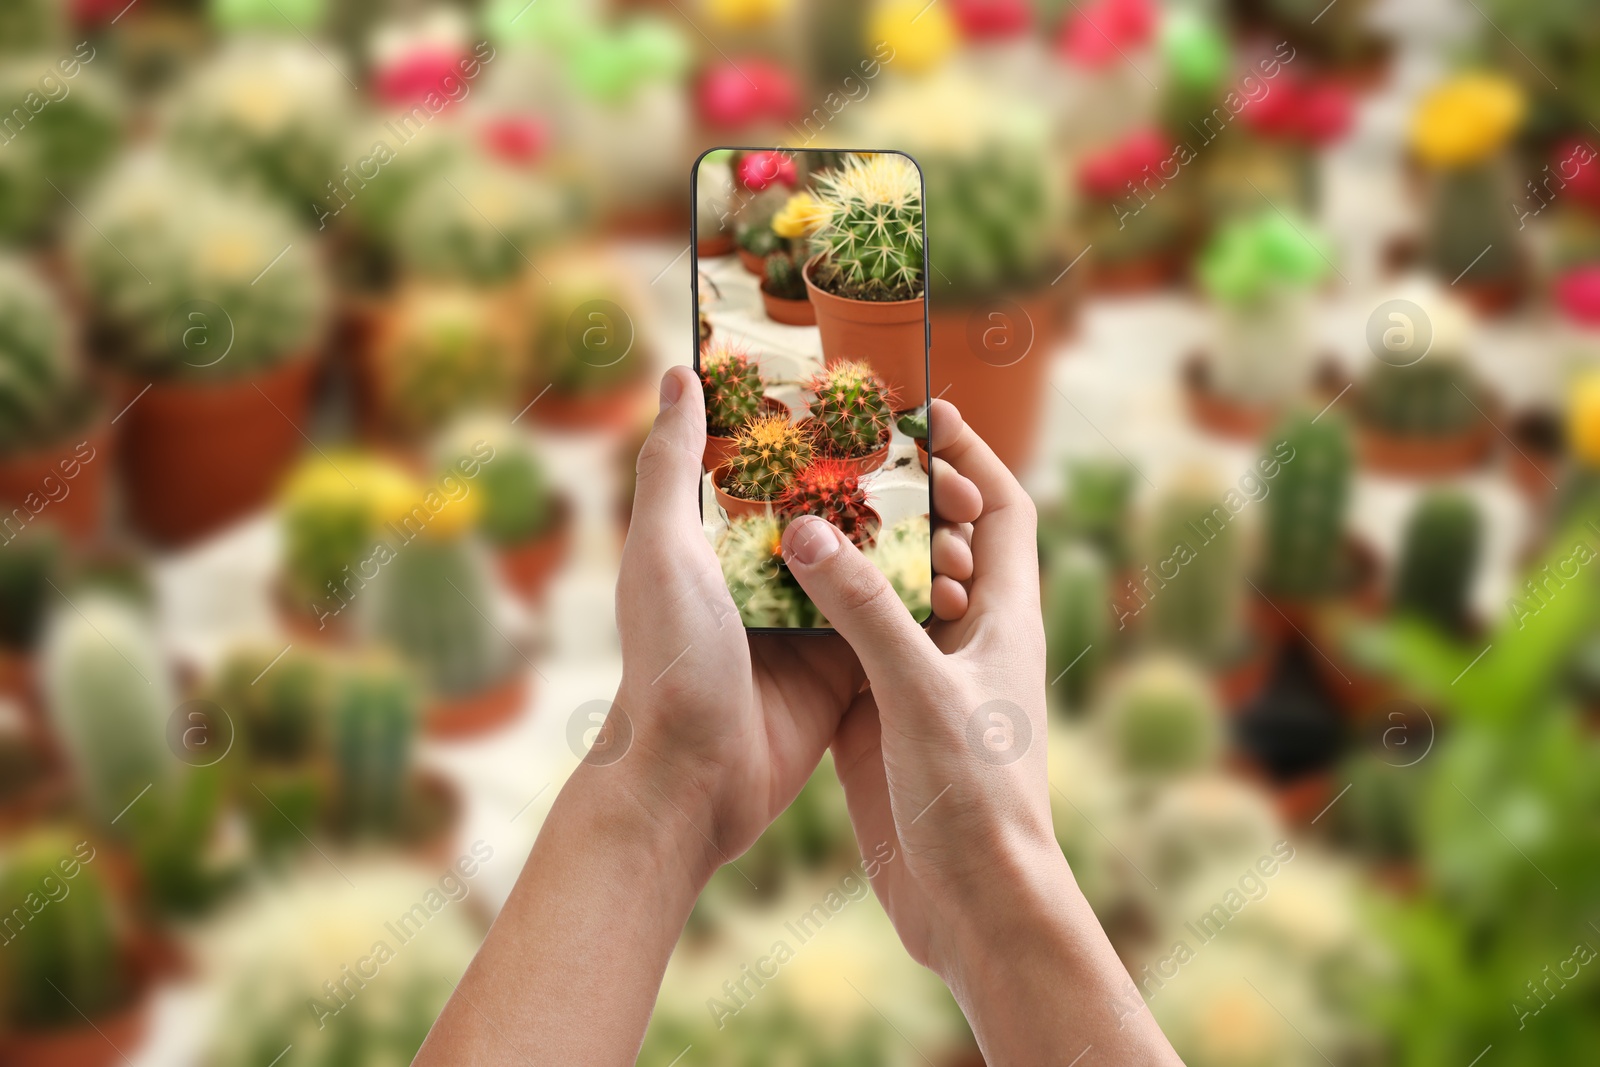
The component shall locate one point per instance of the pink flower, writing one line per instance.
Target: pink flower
(1576, 162)
(516, 138)
(1106, 175)
(992, 19)
(1097, 34)
(1326, 113)
(742, 93)
(758, 170)
(1578, 294)
(409, 79)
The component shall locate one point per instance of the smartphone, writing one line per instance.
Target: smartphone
(811, 343)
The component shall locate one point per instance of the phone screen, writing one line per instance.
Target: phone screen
(809, 285)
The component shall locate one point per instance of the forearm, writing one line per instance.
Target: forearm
(571, 968)
(1038, 980)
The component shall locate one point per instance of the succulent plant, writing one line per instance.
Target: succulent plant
(272, 115)
(478, 223)
(1095, 504)
(1204, 823)
(872, 235)
(851, 410)
(67, 142)
(372, 731)
(770, 451)
(731, 381)
(333, 509)
(1305, 515)
(68, 958)
(1383, 822)
(783, 278)
(189, 244)
(1433, 397)
(517, 501)
(448, 350)
(904, 554)
(914, 424)
(587, 329)
(28, 564)
(1162, 719)
(832, 490)
(42, 389)
(1077, 617)
(1197, 553)
(758, 239)
(766, 594)
(1438, 556)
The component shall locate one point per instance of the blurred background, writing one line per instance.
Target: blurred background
(315, 467)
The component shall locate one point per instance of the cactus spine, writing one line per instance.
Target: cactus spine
(1196, 550)
(771, 450)
(375, 719)
(851, 410)
(872, 235)
(1438, 557)
(479, 225)
(733, 388)
(1305, 514)
(831, 490)
(1077, 594)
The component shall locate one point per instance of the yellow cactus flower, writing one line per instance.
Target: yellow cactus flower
(746, 14)
(922, 35)
(1583, 419)
(450, 517)
(799, 217)
(1466, 120)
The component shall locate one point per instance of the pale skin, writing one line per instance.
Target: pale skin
(725, 738)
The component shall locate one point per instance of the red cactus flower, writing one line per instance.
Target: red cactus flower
(1106, 174)
(409, 79)
(739, 94)
(1096, 35)
(831, 490)
(1577, 162)
(758, 170)
(1578, 294)
(982, 20)
(516, 138)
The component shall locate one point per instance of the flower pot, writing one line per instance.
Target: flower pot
(1360, 589)
(1000, 389)
(433, 818)
(1423, 456)
(922, 453)
(1136, 276)
(301, 621)
(197, 456)
(585, 412)
(472, 714)
(753, 263)
(788, 312)
(711, 247)
(99, 1042)
(737, 507)
(76, 463)
(1241, 680)
(1219, 415)
(889, 335)
(528, 567)
(720, 449)
(861, 466)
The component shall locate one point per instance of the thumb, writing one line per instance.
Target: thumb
(858, 600)
(668, 489)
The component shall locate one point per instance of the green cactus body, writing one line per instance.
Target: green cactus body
(31, 25)
(42, 390)
(449, 351)
(851, 410)
(1077, 614)
(1163, 719)
(914, 425)
(70, 943)
(731, 382)
(1305, 515)
(759, 239)
(770, 451)
(1434, 397)
(783, 278)
(477, 223)
(1196, 549)
(831, 490)
(326, 529)
(373, 727)
(1469, 226)
(1098, 497)
(1438, 557)
(519, 503)
(28, 564)
(432, 606)
(872, 238)
(587, 333)
(751, 556)
(74, 136)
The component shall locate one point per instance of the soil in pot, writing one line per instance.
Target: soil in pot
(528, 567)
(737, 507)
(720, 448)
(889, 335)
(78, 465)
(472, 714)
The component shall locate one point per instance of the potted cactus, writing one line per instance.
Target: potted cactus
(734, 394)
(212, 335)
(589, 359)
(28, 564)
(478, 223)
(866, 280)
(852, 415)
(750, 553)
(1077, 625)
(768, 453)
(1438, 559)
(75, 985)
(756, 241)
(54, 443)
(783, 285)
(831, 490)
(914, 424)
(1426, 419)
(1162, 720)
(1139, 244)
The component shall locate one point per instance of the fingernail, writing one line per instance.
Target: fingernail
(809, 540)
(671, 389)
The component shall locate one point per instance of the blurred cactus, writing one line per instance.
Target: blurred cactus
(872, 234)
(373, 728)
(67, 142)
(1469, 227)
(1305, 515)
(1438, 556)
(1433, 397)
(758, 239)
(1199, 610)
(1383, 821)
(477, 223)
(733, 388)
(42, 389)
(28, 564)
(851, 410)
(1162, 719)
(1077, 613)
(332, 511)
(914, 425)
(770, 451)
(30, 25)
(188, 241)
(66, 963)
(433, 606)
(783, 278)
(272, 115)
(751, 556)
(587, 334)
(1096, 500)
(831, 490)
(445, 351)
(517, 500)
(904, 554)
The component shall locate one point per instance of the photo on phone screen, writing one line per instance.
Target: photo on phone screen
(809, 281)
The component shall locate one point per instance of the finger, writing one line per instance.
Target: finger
(1004, 537)
(859, 602)
(949, 598)
(955, 498)
(952, 555)
(668, 491)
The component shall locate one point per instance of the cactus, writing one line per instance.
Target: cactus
(28, 564)
(832, 490)
(763, 590)
(332, 511)
(42, 389)
(731, 381)
(1382, 823)
(1077, 597)
(1434, 397)
(1096, 500)
(272, 115)
(517, 500)
(904, 554)
(1305, 514)
(1163, 719)
(477, 223)
(587, 329)
(447, 351)
(914, 425)
(1438, 557)
(373, 728)
(758, 239)
(770, 451)
(851, 410)
(67, 958)
(783, 278)
(67, 143)
(189, 241)
(872, 235)
(1199, 609)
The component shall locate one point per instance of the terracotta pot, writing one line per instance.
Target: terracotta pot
(788, 312)
(862, 466)
(198, 456)
(528, 567)
(1425, 457)
(100, 1042)
(1495, 299)
(753, 263)
(719, 449)
(438, 801)
(1303, 799)
(891, 335)
(1135, 276)
(716, 245)
(79, 463)
(735, 506)
(1217, 414)
(922, 453)
(1002, 398)
(301, 621)
(1241, 681)
(580, 413)
(477, 713)
(1284, 618)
